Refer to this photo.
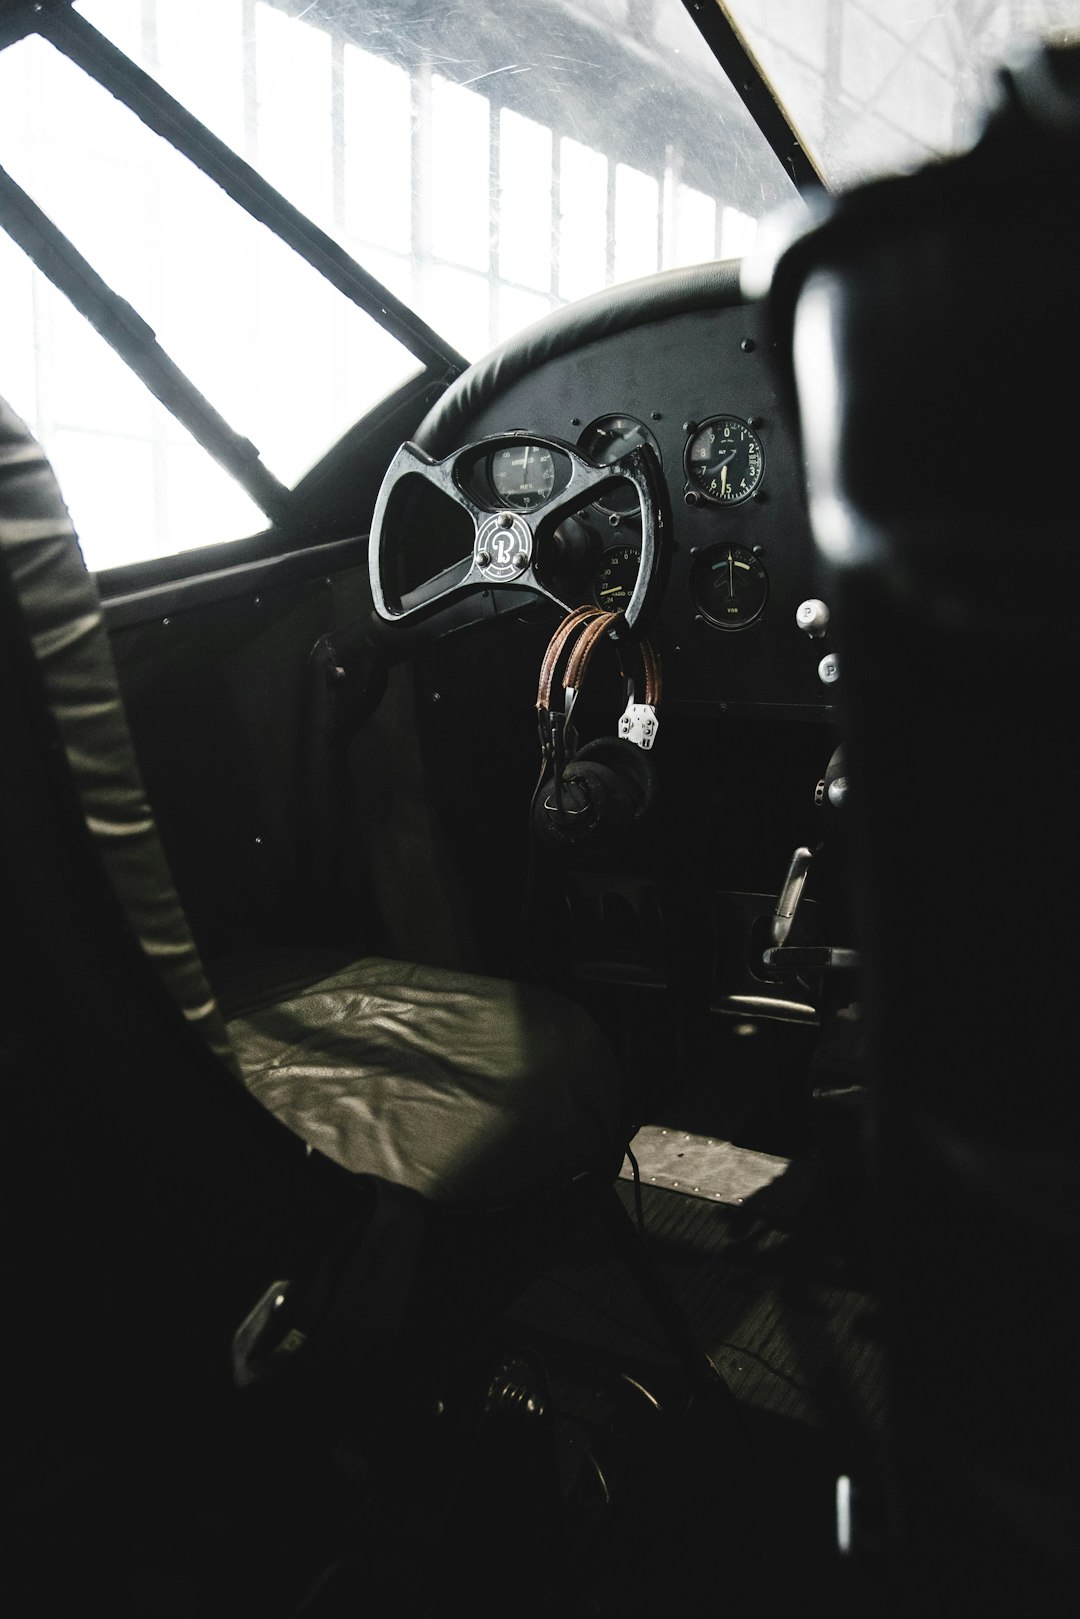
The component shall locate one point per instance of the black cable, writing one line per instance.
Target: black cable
(639, 1208)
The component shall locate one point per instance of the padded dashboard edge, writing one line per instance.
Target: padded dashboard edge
(615, 309)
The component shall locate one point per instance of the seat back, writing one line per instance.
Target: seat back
(929, 325)
(79, 703)
(113, 1039)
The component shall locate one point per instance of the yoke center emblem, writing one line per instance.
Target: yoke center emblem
(503, 552)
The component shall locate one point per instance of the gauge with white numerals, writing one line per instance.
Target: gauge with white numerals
(725, 460)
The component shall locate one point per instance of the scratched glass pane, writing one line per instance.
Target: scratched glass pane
(552, 147)
(879, 85)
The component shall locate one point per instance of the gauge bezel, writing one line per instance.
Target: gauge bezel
(745, 491)
(607, 506)
(474, 476)
(508, 500)
(703, 561)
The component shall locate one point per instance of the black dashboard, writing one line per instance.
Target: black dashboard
(680, 364)
(739, 625)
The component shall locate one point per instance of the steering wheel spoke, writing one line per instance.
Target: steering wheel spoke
(512, 529)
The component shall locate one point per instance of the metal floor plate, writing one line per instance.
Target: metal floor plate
(701, 1166)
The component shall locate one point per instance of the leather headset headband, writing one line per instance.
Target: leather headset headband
(589, 625)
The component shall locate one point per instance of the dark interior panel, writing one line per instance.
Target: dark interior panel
(228, 706)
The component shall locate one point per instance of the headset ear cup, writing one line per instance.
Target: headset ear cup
(607, 788)
(579, 811)
(634, 772)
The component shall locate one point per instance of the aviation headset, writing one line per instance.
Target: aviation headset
(602, 790)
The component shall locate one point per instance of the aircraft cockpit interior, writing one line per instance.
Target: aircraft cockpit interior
(536, 573)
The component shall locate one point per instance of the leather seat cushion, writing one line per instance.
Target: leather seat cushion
(472, 1090)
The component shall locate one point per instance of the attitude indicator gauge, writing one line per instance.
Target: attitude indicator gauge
(725, 460)
(728, 586)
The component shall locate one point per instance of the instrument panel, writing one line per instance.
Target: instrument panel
(695, 387)
(724, 464)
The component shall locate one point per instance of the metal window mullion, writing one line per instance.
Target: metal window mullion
(167, 117)
(716, 26)
(337, 132)
(125, 330)
(667, 201)
(340, 359)
(494, 219)
(253, 267)
(44, 336)
(556, 213)
(151, 223)
(420, 160)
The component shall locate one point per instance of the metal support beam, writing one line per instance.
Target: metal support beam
(161, 112)
(748, 79)
(122, 327)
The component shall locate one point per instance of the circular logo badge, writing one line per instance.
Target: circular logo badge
(503, 550)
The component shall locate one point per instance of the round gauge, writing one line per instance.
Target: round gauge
(725, 460)
(608, 439)
(522, 475)
(616, 577)
(728, 586)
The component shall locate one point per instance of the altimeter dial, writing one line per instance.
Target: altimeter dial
(725, 460)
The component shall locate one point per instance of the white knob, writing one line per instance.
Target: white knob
(813, 617)
(837, 791)
(828, 669)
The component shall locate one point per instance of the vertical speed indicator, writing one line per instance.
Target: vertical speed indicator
(725, 460)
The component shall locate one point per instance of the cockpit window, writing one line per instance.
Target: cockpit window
(876, 86)
(287, 360)
(484, 160)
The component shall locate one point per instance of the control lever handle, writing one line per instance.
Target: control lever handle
(795, 958)
(791, 894)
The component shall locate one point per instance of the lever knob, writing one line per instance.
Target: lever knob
(813, 617)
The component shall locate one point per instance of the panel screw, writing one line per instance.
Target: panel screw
(748, 345)
(656, 416)
(575, 421)
(483, 560)
(689, 427)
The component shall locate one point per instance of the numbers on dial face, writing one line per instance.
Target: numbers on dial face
(725, 460)
(616, 577)
(522, 476)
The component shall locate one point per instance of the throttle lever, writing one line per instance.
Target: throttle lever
(791, 893)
